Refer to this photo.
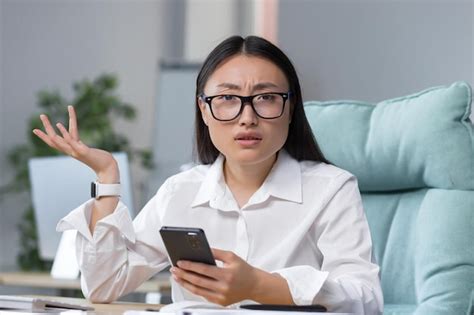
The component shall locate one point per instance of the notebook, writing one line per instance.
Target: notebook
(15, 302)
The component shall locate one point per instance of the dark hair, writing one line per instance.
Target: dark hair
(300, 143)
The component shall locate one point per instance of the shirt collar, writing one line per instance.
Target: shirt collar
(213, 185)
(283, 182)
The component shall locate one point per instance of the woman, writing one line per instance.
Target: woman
(288, 227)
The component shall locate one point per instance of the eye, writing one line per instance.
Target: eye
(266, 97)
(226, 97)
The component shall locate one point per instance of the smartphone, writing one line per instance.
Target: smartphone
(183, 243)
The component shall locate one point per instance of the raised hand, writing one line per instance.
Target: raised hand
(100, 161)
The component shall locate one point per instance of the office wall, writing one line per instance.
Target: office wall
(2, 234)
(207, 24)
(373, 50)
(47, 45)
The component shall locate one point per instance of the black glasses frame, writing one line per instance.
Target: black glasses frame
(245, 100)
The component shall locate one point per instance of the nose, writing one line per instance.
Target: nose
(248, 116)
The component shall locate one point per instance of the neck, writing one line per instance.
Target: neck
(247, 177)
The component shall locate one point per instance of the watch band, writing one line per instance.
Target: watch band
(99, 190)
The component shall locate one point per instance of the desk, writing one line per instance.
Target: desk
(119, 308)
(44, 280)
(114, 308)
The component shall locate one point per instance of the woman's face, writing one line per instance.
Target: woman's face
(247, 139)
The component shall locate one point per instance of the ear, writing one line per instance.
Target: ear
(204, 112)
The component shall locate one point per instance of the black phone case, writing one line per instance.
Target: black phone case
(186, 244)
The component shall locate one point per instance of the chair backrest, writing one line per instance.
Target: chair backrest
(58, 185)
(414, 160)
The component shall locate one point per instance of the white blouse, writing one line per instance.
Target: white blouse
(306, 222)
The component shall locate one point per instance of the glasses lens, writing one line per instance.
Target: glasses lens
(268, 105)
(225, 107)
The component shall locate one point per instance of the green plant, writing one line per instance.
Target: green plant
(96, 105)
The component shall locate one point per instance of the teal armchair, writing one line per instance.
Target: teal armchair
(414, 160)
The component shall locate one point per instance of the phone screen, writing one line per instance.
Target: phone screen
(183, 243)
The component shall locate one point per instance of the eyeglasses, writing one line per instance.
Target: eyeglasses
(228, 107)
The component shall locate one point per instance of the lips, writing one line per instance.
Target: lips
(248, 139)
(248, 136)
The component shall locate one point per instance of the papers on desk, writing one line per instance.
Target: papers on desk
(184, 305)
(223, 311)
(55, 312)
(243, 311)
(206, 308)
(13, 302)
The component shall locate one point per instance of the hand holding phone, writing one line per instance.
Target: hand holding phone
(183, 243)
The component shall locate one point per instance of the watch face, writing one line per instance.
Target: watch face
(93, 190)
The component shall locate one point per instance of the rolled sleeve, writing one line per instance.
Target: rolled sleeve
(120, 253)
(79, 219)
(304, 282)
(121, 221)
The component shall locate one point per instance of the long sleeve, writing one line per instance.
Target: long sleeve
(347, 281)
(121, 254)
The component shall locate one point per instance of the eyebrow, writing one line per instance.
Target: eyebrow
(258, 86)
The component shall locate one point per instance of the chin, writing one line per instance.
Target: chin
(249, 156)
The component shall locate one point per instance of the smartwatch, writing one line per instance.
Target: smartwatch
(99, 190)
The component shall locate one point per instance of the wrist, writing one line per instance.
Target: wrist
(270, 288)
(111, 175)
(260, 287)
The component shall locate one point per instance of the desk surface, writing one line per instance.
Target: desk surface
(44, 280)
(128, 308)
(102, 309)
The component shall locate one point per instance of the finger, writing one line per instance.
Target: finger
(64, 132)
(73, 123)
(62, 145)
(47, 126)
(200, 268)
(40, 134)
(222, 255)
(205, 293)
(67, 138)
(198, 280)
(77, 148)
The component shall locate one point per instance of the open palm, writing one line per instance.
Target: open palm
(69, 143)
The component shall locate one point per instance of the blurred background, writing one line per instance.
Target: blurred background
(367, 50)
